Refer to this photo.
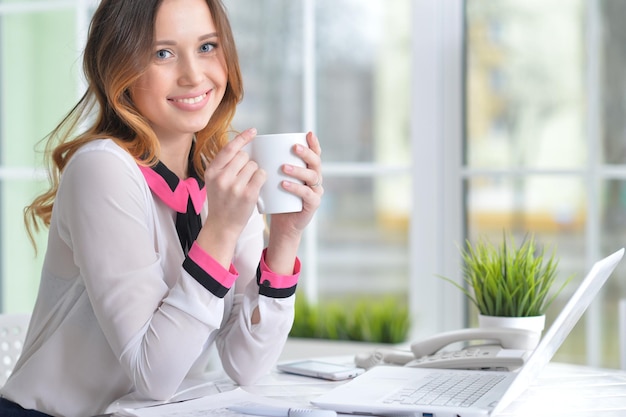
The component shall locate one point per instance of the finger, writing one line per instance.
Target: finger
(247, 170)
(257, 180)
(309, 156)
(314, 143)
(250, 180)
(239, 169)
(244, 138)
(228, 152)
(316, 180)
(309, 177)
(307, 193)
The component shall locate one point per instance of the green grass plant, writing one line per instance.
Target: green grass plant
(367, 319)
(509, 281)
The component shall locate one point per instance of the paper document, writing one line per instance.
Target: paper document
(214, 405)
(189, 389)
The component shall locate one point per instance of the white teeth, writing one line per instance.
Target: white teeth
(192, 100)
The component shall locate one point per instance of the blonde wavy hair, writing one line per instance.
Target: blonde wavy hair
(118, 50)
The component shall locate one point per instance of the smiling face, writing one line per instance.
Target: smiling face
(187, 76)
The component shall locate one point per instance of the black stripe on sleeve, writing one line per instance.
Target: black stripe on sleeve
(266, 290)
(204, 278)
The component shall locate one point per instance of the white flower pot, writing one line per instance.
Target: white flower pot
(535, 324)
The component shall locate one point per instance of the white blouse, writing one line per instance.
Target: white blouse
(117, 313)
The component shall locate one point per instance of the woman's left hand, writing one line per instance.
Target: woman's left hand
(310, 191)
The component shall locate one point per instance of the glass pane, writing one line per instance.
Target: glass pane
(363, 243)
(21, 265)
(269, 39)
(497, 205)
(39, 69)
(532, 203)
(525, 84)
(612, 82)
(363, 61)
(361, 286)
(613, 207)
(362, 72)
(362, 58)
(553, 209)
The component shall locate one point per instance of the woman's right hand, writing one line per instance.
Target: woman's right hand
(233, 182)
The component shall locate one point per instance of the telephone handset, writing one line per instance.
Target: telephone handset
(508, 338)
(504, 349)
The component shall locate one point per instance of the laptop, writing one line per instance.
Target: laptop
(387, 390)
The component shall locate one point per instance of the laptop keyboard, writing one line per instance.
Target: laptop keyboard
(458, 390)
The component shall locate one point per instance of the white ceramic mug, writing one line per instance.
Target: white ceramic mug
(271, 152)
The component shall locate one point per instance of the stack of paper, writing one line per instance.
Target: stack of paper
(217, 405)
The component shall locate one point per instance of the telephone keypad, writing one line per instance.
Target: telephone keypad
(485, 357)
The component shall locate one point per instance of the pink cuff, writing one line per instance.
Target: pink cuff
(224, 277)
(273, 280)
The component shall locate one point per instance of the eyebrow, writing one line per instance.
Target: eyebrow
(201, 38)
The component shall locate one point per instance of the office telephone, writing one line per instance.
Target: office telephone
(502, 349)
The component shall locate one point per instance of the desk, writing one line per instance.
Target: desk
(563, 390)
(573, 391)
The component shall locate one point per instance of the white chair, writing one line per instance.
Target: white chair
(12, 333)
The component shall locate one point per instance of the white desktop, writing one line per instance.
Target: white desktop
(562, 390)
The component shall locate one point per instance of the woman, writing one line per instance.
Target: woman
(155, 248)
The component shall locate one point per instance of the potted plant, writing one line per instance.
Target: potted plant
(511, 286)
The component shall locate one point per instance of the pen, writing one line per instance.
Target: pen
(270, 411)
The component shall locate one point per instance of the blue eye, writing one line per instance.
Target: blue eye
(163, 54)
(207, 47)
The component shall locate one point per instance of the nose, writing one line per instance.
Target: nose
(191, 72)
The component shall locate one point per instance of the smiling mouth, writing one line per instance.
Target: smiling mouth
(192, 100)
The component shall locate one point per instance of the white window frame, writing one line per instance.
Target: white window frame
(436, 135)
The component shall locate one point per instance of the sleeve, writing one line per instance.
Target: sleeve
(249, 351)
(104, 216)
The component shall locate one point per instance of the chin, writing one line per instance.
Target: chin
(196, 127)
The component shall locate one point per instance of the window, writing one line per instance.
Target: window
(340, 68)
(544, 143)
(39, 80)
(439, 121)
(523, 131)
